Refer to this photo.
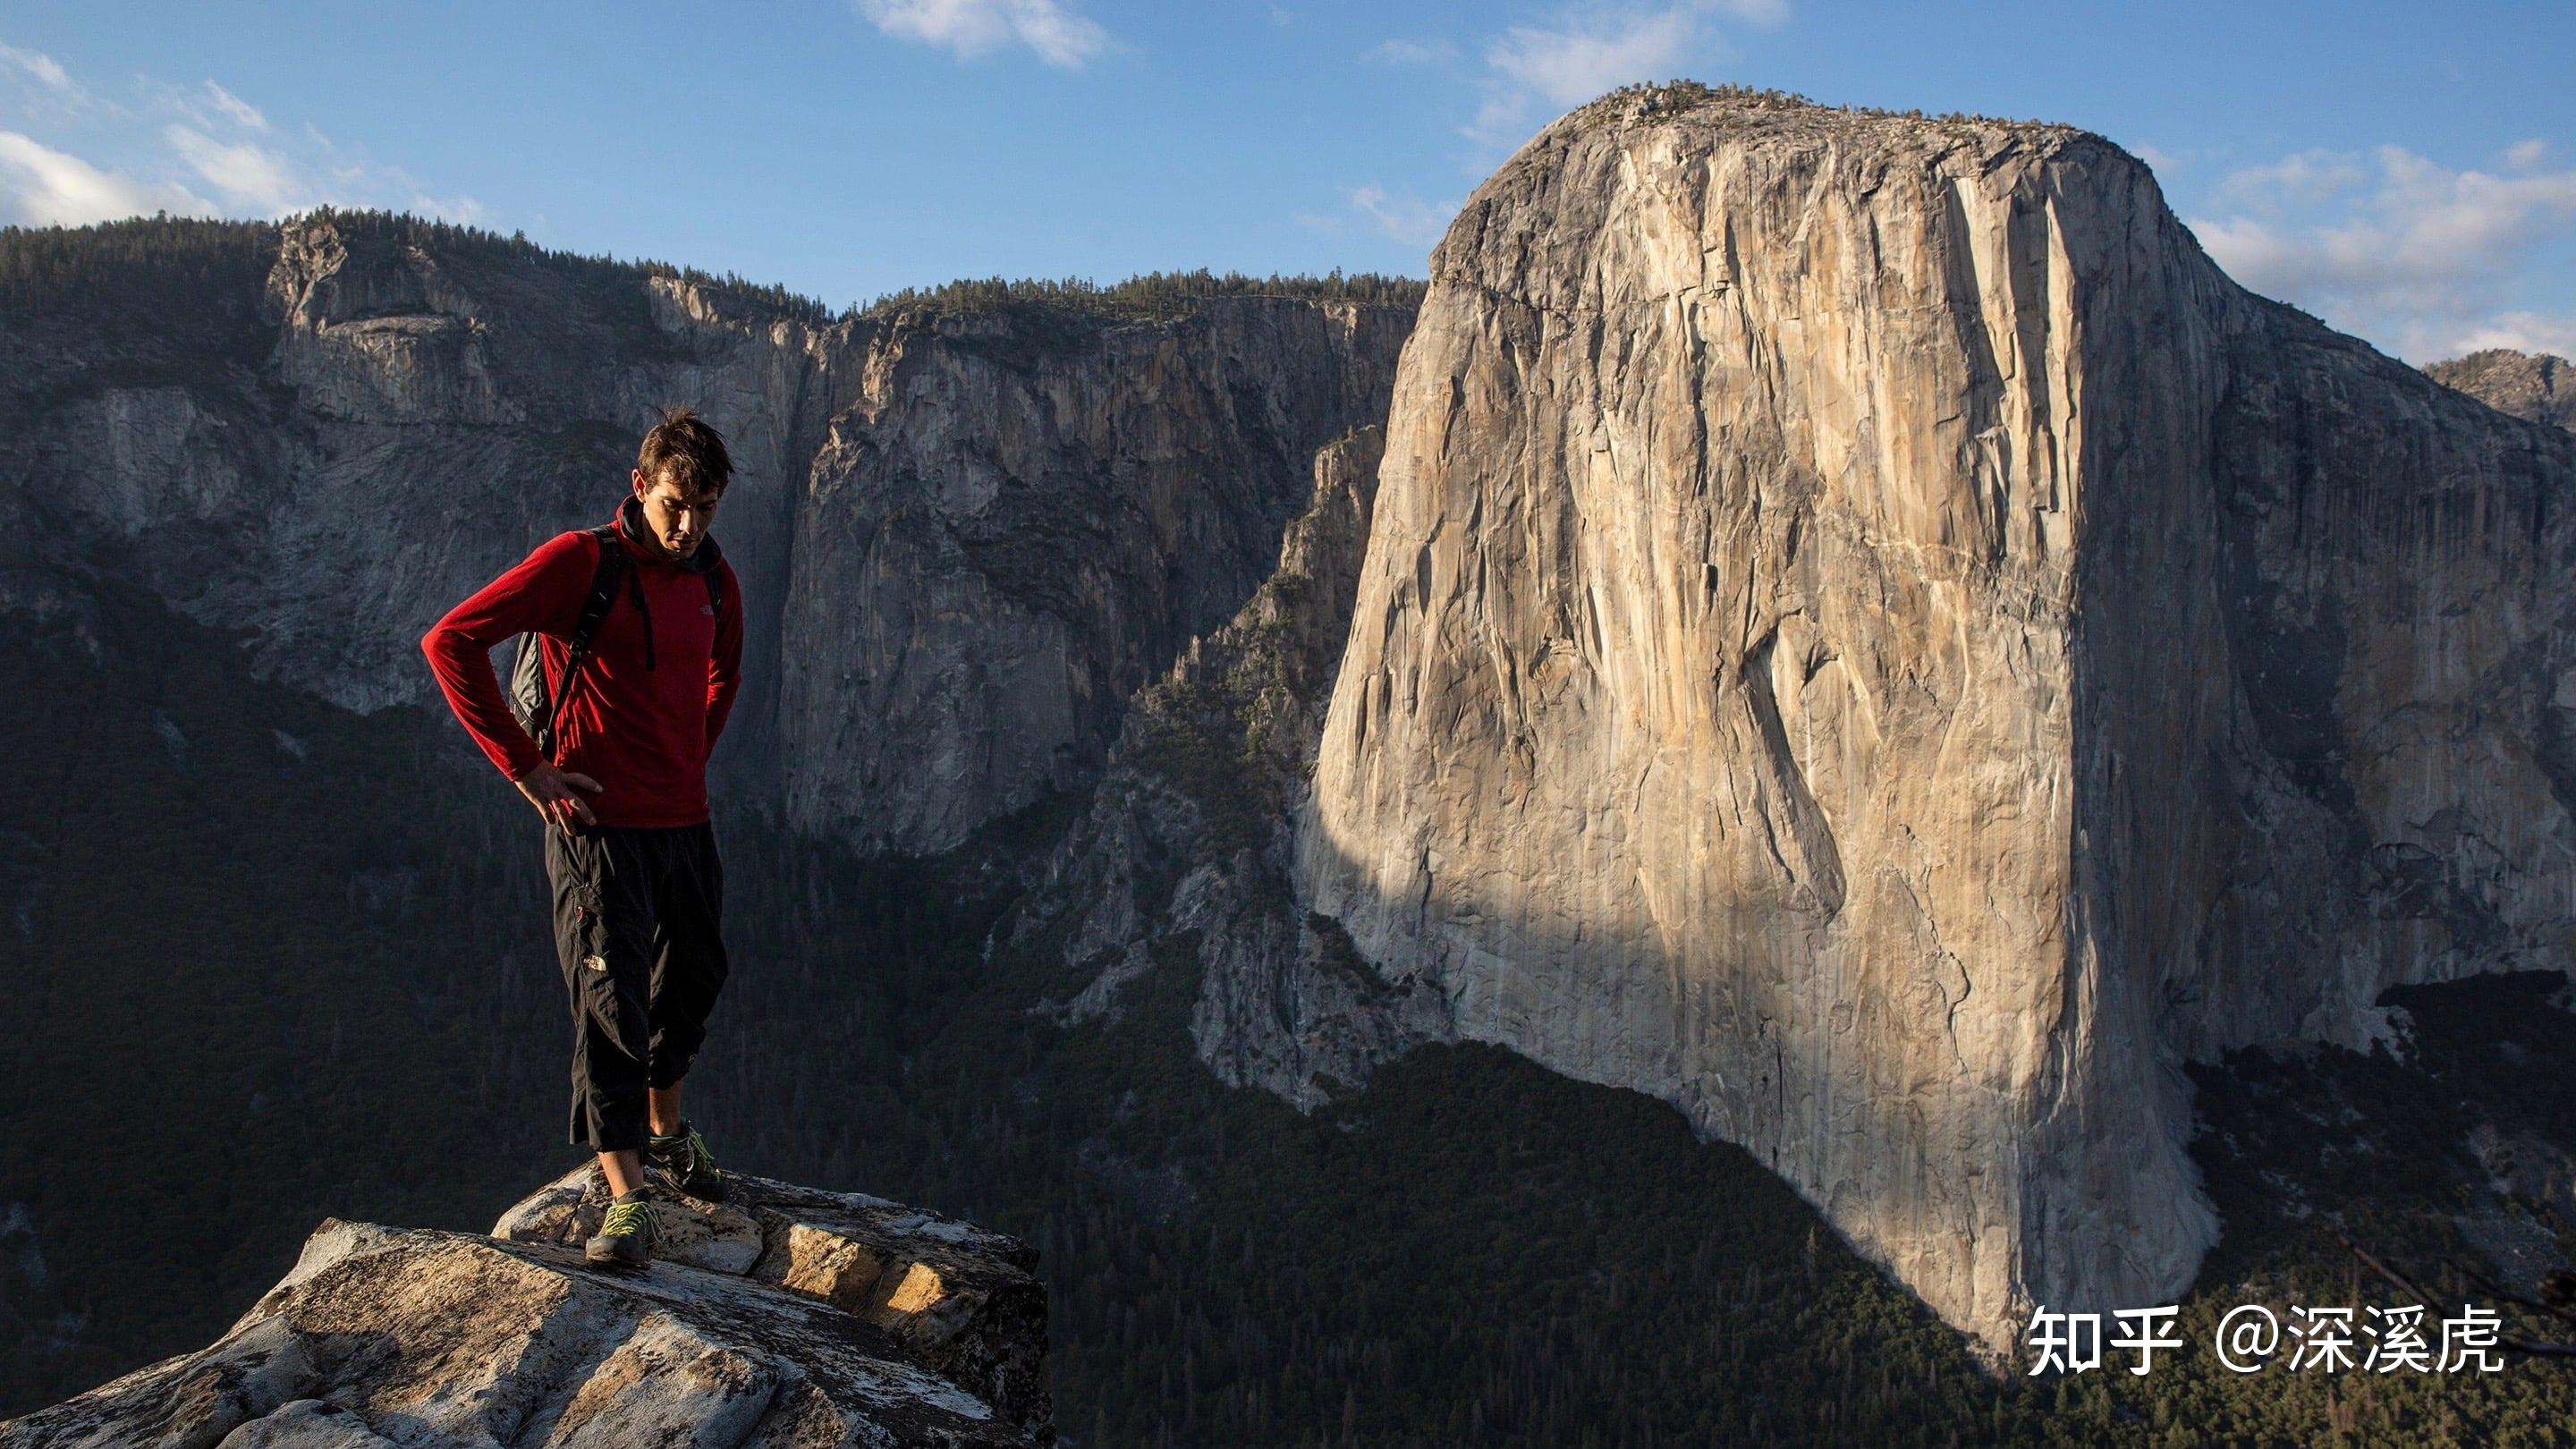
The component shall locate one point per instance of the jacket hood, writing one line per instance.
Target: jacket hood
(640, 546)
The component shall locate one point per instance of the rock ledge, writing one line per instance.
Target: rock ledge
(786, 1317)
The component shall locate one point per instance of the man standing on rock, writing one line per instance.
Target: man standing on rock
(617, 765)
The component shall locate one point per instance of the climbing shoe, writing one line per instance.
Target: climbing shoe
(684, 1158)
(627, 1236)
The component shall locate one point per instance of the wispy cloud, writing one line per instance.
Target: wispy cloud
(971, 28)
(1401, 215)
(1407, 218)
(2306, 178)
(41, 88)
(241, 112)
(249, 176)
(177, 147)
(1526, 73)
(2418, 257)
(1411, 52)
(1565, 61)
(40, 67)
(40, 186)
(2521, 331)
(2158, 158)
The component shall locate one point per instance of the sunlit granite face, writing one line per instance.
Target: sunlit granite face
(1868, 635)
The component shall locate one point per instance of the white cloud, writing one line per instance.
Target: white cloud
(1405, 218)
(1569, 67)
(195, 104)
(1410, 52)
(2417, 257)
(40, 186)
(178, 145)
(1583, 53)
(973, 27)
(43, 68)
(2523, 332)
(41, 88)
(2527, 155)
(2158, 158)
(2306, 178)
(247, 175)
(462, 209)
(239, 111)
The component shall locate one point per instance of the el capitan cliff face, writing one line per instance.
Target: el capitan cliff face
(1864, 633)
(1868, 635)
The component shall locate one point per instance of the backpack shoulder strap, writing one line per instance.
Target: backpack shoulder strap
(603, 590)
(604, 578)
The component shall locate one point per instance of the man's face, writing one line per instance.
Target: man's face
(677, 518)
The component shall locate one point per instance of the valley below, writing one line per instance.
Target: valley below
(1827, 738)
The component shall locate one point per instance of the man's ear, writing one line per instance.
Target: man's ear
(636, 477)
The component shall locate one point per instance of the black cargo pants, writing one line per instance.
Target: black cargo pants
(637, 925)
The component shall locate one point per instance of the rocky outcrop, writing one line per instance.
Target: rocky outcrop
(1869, 636)
(1007, 535)
(965, 538)
(1187, 845)
(2535, 387)
(1860, 631)
(790, 1317)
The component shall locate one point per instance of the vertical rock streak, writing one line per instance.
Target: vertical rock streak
(1870, 637)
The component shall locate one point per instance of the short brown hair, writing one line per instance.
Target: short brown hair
(682, 448)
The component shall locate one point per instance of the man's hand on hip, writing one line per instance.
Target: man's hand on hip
(557, 795)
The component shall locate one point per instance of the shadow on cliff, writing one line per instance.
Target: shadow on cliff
(2236, 874)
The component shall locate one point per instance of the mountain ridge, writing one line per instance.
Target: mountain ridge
(372, 419)
(1186, 793)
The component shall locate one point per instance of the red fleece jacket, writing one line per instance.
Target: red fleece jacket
(642, 733)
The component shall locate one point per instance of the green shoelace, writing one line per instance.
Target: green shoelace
(630, 1217)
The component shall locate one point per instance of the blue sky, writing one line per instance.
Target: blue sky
(2406, 172)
